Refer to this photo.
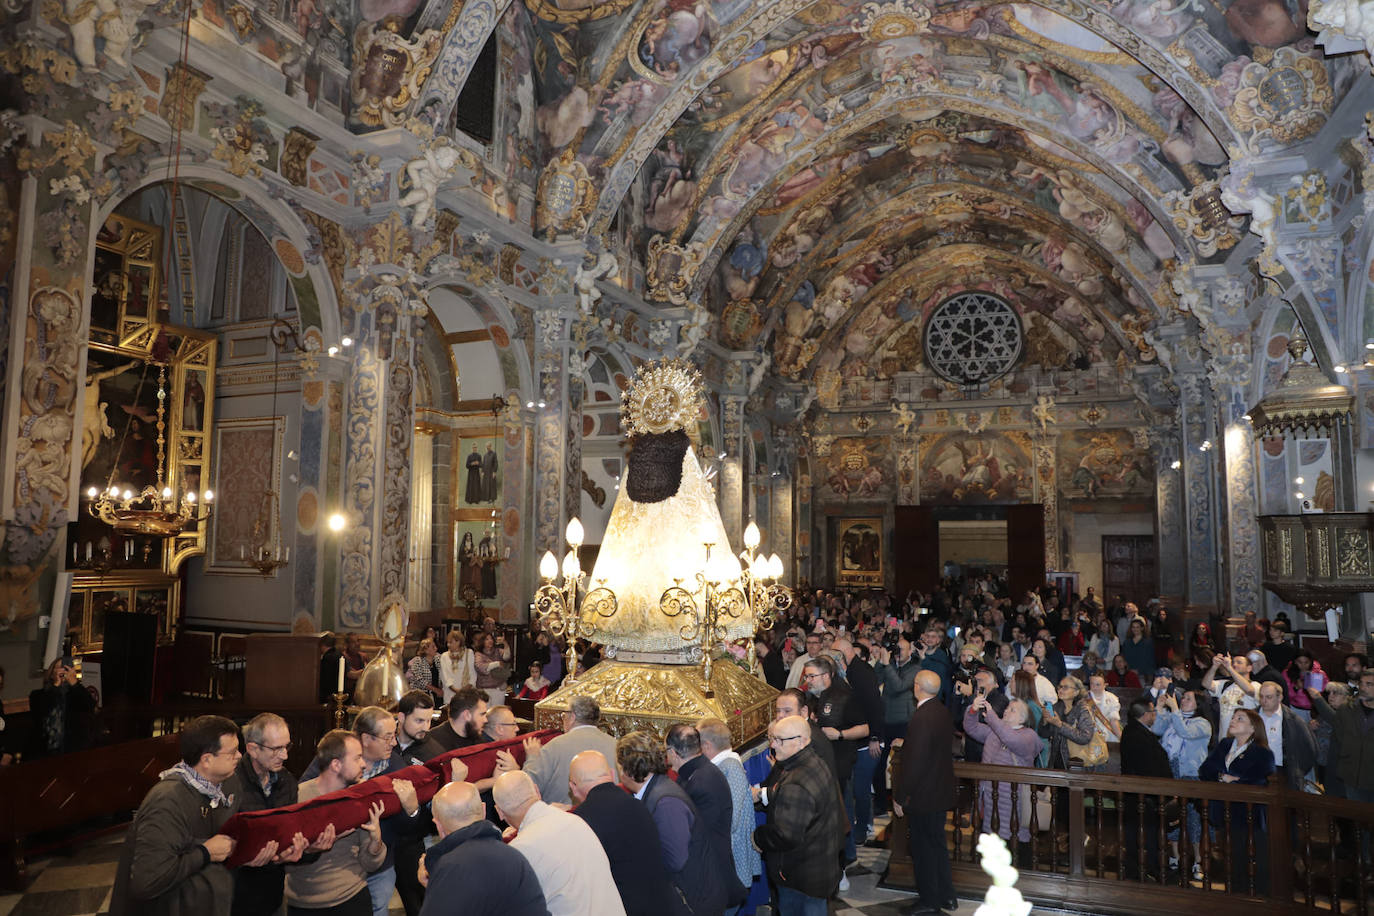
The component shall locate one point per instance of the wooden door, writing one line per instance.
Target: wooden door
(1025, 548)
(915, 550)
(1128, 567)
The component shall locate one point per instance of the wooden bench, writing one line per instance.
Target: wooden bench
(61, 793)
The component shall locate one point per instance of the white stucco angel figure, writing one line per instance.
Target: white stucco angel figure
(116, 21)
(693, 331)
(1043, 411)
(601, 266)
(760, 369)
(906, 418)
(1353, 19)
(426, 173)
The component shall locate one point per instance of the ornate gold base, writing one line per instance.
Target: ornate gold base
(640, 695)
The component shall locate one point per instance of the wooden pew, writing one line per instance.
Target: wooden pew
(59, 793)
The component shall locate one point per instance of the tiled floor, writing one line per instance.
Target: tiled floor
(80, 884)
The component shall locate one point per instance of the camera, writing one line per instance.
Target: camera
(890, 641)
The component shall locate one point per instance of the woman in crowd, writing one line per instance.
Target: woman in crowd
(1243, 756)
(423, 671)
(1104, 641)
(489, 661)
(1051, 660)
(1006, 661)
(1138, 649)
(1303, 672)
(1022, 687)
(1071, 640)
(1121, 674)
(1070, 719)
(1162, 633)
(536, 686)
(455, 665)
(1007, 741)
(1185, 730)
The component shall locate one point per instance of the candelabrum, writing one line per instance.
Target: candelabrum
(712, 599)
(269, 555)
(340, 709)
(767, 598)
(557, 604)
(155, 510)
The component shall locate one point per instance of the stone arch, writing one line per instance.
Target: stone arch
(488, 365)
(270, 216)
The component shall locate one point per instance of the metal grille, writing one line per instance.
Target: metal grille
(973, 338)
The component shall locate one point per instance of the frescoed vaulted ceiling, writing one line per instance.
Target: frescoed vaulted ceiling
(819, 176)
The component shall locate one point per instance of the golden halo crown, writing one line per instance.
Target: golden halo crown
(663, 397)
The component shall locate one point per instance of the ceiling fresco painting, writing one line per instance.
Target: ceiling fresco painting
(819, 176)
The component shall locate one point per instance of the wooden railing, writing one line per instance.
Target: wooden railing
(1102, 843)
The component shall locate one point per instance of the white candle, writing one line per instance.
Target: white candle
(341, 674)
(88, 551)
(288, 555)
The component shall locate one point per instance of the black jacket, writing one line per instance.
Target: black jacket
(627, 833)
(773, 671)
(705, 785)
(1142, 754)
(838, 707)
(864, 681)
(926, 781)
(805, 829)
(700, 883)
(259, 890)
(77, 709)
(471, 871)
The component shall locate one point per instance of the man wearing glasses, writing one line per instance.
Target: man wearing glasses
(375, 729)
(801, 839)
(261, 781)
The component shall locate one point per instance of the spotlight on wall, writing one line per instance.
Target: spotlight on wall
(542, 405)
(1176, 465)
(1245, 417)
(333, 351)
(529, 405)
(1298, 494)
(337, 521)
(347, 341)
(1340, 369)
(291, 455)
(1298, 481)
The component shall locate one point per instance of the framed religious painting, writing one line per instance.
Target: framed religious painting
(859, 551)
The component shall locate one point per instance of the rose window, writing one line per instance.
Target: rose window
(972, 338)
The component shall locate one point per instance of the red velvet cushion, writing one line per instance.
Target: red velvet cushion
(348, 808)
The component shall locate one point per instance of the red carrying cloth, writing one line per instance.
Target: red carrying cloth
(348, 808)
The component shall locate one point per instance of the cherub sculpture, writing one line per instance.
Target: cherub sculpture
(1002, 898)
(1043, 411)
(426, 173)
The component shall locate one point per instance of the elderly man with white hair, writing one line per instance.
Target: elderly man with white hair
(566, 855)
(471, 864)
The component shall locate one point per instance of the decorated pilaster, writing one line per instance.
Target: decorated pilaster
(1229, 371)
(1169, 534)
(731, 486)
(555, 478)
(1199, 457)
(385, 298)
(1047, 492)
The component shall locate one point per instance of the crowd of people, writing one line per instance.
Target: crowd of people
(643, 824)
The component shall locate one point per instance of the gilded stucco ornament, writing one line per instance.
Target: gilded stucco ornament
(898, 19)
(1201, 215)
(241, 136)
(565, 196)
(389, 72)
(668, 268)
(1286, 99)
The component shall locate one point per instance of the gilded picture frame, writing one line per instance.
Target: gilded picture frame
(859, 548)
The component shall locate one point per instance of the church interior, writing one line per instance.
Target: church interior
(339, 301)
